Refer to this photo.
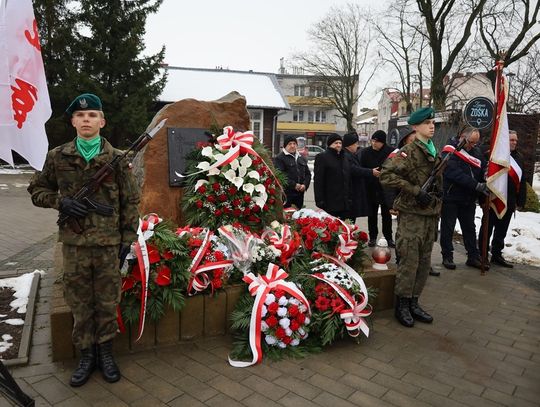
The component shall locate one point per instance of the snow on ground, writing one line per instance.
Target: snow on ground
(14, 171)
(5, 343)
(522, 243)
(21, 285)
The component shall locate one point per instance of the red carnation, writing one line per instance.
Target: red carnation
(301, 319)
(253, 218)
(236, 202)
(227, 210)
(337, 304)
(363, 236)
(294, 325)
(265, 207)
(219, 255)
(287, 340)
(194, 242)
(271, 321)
(237, 212)
(256, 209)
(322, 303)
(333, 227)
(218, 212)
(201, 189)
(247, 212)
(222, 197)
(280, 333)
(217, 283)
(272, 308)
(293, 310)
(271, 191)
(199, 204)
(247, 198)
(279, 293)
(193, 253)
(211, 198)
(271, 201)
(233, 190)
(215, 186)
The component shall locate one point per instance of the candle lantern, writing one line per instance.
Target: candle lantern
(381, 255)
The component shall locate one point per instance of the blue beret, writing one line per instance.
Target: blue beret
(421, 114)
(86, 101)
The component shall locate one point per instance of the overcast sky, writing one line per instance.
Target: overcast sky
(239, 34)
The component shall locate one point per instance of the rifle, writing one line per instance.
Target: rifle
(439, 168)
(90, 188)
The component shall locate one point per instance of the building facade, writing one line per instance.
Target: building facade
(312, 115)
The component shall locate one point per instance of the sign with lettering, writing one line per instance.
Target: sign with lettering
(478, 113)
(181, 142)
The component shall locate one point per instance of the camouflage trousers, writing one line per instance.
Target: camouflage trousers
(92, 290)
(414, 243)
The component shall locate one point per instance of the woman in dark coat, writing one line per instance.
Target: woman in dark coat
(332, 179)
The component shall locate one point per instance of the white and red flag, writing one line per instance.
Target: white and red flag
(499, 159)
(24, 99)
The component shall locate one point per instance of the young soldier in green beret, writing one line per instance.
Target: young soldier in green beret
(91, 275)
(418, 215)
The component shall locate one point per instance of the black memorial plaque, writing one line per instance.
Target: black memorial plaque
(180, 142)
(478, 113)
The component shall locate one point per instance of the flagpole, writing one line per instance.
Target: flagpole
(486, 205)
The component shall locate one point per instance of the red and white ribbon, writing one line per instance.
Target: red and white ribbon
(347, 246)
(240, 249)
(465, 156)
(260, 287)
(515, 173)
(282, 241)
(141, 251)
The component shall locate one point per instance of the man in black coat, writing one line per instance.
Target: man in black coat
(373, 157)
(463, 180)
(292, 164)
(516, 197)
(358, 177)
(332, 179)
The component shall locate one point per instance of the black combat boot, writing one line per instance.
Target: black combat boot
(107, 365)
(403, 314)
(418, 313)
(87, 364)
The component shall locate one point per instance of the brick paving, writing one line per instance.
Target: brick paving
(482, 350)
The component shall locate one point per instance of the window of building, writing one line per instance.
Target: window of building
(320, 116)
(256, 120)
(299, 90)
(310, 116)
(318, 91)
(298, 115)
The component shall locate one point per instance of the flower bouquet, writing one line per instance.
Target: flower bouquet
(232, 183)
(157, 273)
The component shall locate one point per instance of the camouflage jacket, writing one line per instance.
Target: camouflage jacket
(407, 171)
(66, 171)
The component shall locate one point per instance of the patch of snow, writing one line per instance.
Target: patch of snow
(13, 321)
(15, 171)
(21, 285)
(19, 185)
(4, 343)
(522, 242)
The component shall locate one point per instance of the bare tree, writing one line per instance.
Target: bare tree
(524, 81)
(448, 26)
(340, 56)
(511, 26)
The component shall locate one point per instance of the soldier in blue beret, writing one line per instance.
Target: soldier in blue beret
(91, 272)
(418, 215)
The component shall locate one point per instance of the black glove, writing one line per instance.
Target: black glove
(423, 198)
(123, 251)
(482, 188)
(72, 207)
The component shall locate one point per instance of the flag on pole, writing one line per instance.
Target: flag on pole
(24, 99)
(499, 159)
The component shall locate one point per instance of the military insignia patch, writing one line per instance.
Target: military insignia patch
(83, 103)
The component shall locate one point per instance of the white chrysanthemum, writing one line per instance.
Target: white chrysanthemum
(294, 301)
(270, 340)
(270, 298)
(254, 175)
(248, 187)
(307, 321)
(302, 308)
(264, 311)
(288, 331)
(264, 326)
(275, 252)
(275, 225)
(284, 322)
(207, 152)
(281, 345)
(301, 331)
(295, 342)
(283, 301)
(282, 311)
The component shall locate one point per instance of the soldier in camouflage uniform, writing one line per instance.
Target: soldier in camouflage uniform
(91, 275)
(418, 215)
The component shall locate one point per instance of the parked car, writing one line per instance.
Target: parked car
(313, 150)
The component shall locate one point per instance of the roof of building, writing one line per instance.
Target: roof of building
(261, 90)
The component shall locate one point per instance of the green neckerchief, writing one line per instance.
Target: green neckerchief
(88, 148)
(430, 147)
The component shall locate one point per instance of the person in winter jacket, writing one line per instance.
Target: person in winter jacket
(359, 175)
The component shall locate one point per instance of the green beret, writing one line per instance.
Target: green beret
(421, 114)
(86, 101)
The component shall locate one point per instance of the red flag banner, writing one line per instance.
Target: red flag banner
(24, 98)
(499, 159)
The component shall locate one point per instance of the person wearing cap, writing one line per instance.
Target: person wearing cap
(359, 175)
(463, 181)
(332, 179)
(295, 167)
(418, 215)
(373, 157)
(91, 259)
